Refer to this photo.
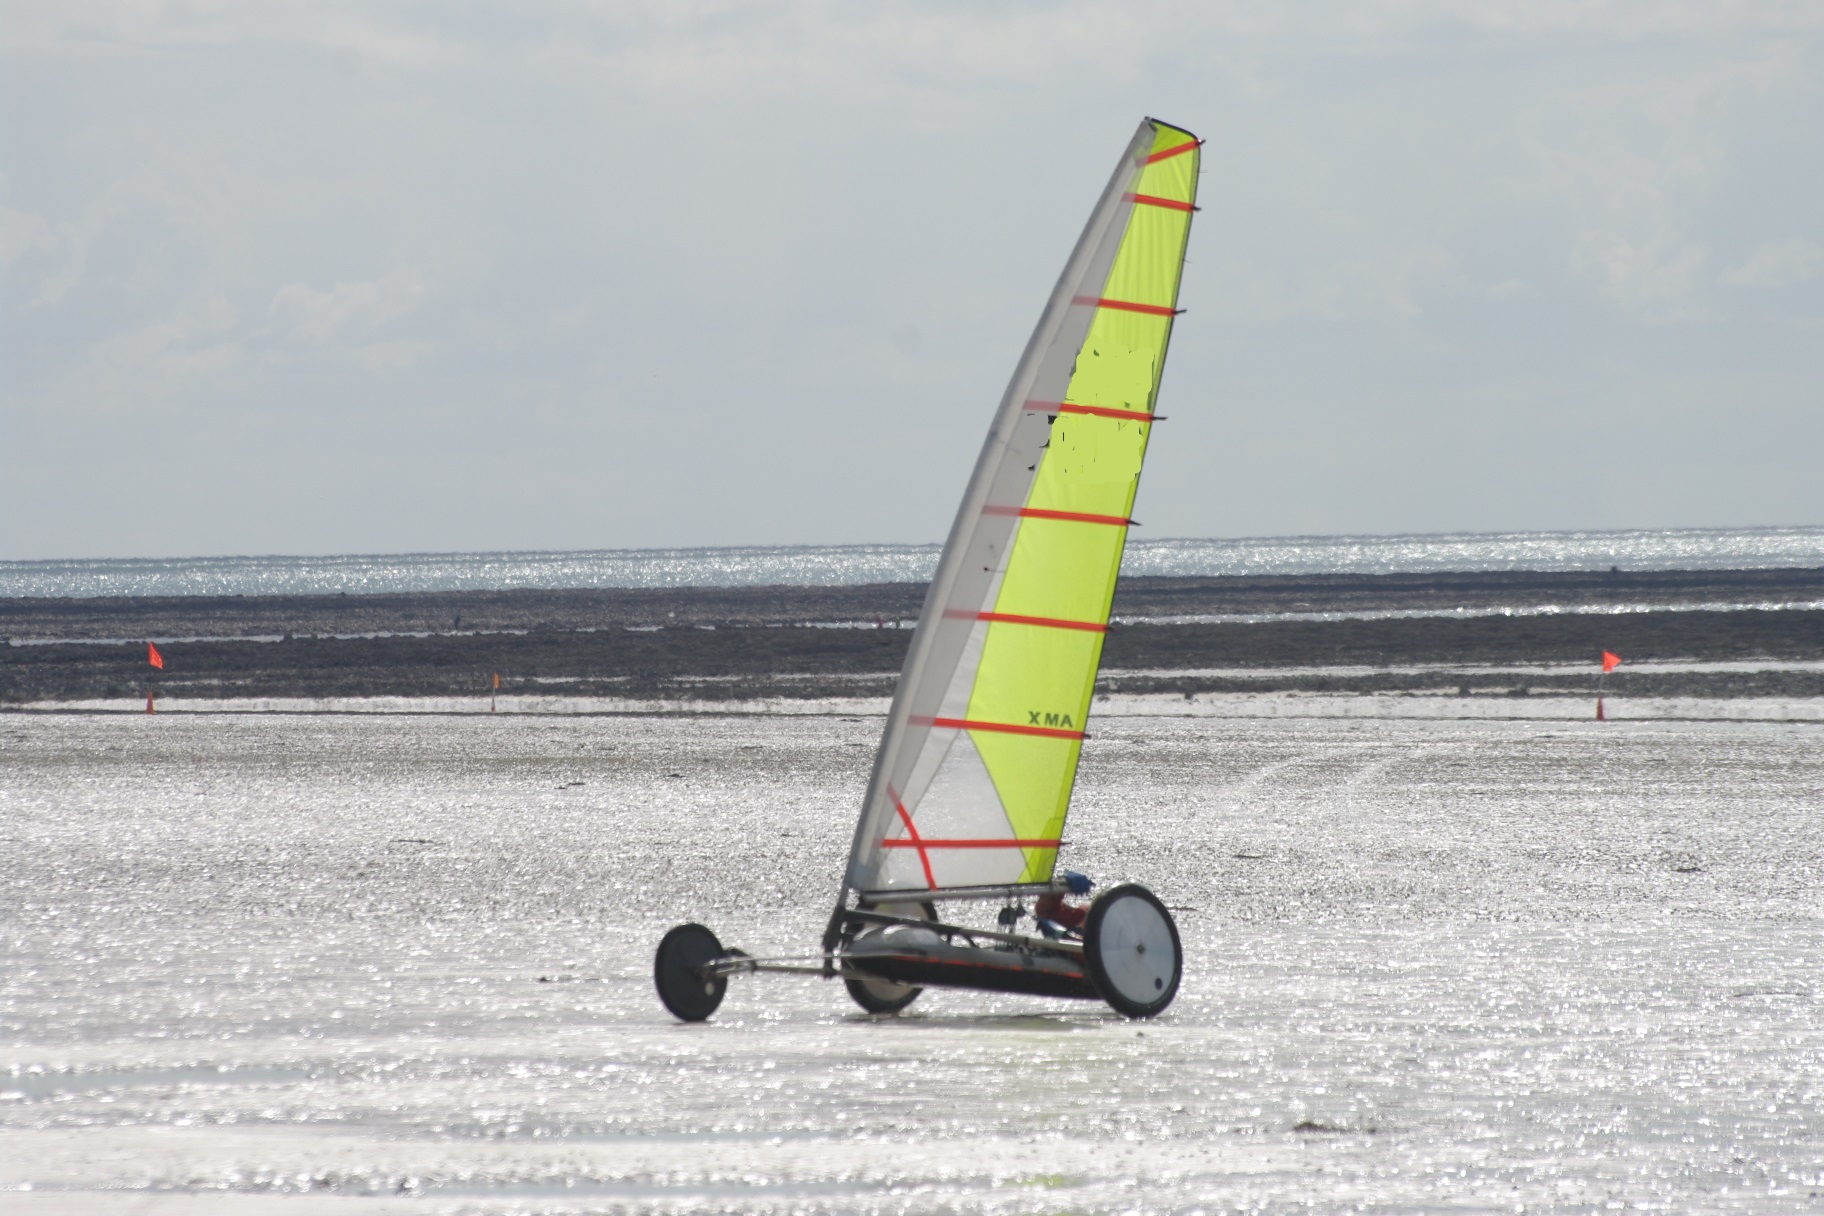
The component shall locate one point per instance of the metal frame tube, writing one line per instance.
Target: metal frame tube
(1015, 891)
(1018, 939)
(740, 966)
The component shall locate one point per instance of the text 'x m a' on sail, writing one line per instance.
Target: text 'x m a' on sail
(975, 769)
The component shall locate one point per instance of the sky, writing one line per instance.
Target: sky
(347, 278)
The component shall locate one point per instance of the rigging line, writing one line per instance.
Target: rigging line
(1151, 310)
(924, 858)
(1175, 150)
(1010, 618)
(1153, 200)
(1072, 517)
(1097, 411)
(971, 844)
(1006, 728)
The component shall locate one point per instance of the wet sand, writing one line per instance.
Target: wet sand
(806, 642)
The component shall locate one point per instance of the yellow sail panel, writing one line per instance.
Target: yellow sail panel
(1066, 554)
(974, 774)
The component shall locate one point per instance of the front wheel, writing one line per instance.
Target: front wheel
(878, 995)
(681, 973)
(1131, 948)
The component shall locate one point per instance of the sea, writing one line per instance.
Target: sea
(851, 565)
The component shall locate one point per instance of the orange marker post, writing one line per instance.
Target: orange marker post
(496, 694)
(157, 660)
(1610, 661)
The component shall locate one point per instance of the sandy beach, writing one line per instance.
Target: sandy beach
(328, 935)
(269, 964)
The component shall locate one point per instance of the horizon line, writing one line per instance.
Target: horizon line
(1135, 542)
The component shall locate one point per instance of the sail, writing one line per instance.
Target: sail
(974, 773)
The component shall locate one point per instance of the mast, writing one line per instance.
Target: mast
(973, 777)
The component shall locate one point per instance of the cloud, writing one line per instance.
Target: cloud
(721, 46)
(197, 340)
(351, 323)
(347, 311)
(1780, 264)
(1659, 276)
(42, 258)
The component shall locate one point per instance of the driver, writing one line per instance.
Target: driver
(1056, 917)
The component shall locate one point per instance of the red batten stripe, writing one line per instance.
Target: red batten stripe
(1074, 517)
(1096, 411)
(924, 858)
(1153, 200)
(1045, 622)
(1168, 153)
(1151, 310)
(1006, 728)
(971, 844)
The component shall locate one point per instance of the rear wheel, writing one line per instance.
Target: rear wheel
(681, 973)
(881, 995)
(1131, 948)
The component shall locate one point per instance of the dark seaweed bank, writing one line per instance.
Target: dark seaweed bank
(737, 643)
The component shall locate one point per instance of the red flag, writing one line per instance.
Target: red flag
(1610, 661)
(153, 657)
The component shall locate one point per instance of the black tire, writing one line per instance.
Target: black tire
(882, 995)
(1131, 951)
(678, 971)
